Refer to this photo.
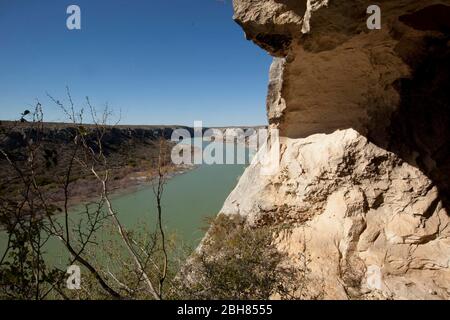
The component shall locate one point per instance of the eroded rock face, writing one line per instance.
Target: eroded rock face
(340, 74)
(364, 117)
(372, 225)
(391, 85)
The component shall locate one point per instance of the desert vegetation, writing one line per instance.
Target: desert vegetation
(41, 181)
(237, 261)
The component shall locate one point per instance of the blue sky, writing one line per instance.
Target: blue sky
(158, 61)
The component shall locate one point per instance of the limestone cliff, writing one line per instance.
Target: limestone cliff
(364, 119)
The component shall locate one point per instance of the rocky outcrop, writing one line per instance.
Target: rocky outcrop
(390, 84)
(364, 120)
(370, 223)
(130, 152)
(13, 134)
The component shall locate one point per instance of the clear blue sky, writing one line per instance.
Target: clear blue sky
(159, 61)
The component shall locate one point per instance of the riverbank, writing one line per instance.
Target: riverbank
(87, 191)
(192, 196)
(38, 164)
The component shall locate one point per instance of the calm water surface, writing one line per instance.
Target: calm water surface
(188, 200)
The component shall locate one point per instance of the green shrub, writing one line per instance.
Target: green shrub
(236, 262)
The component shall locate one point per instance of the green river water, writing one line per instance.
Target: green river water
(188, 200)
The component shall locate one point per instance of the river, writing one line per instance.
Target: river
(188, 200)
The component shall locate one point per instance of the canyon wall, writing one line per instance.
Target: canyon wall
(364, 119)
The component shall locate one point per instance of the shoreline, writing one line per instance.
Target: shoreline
(128, 184)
